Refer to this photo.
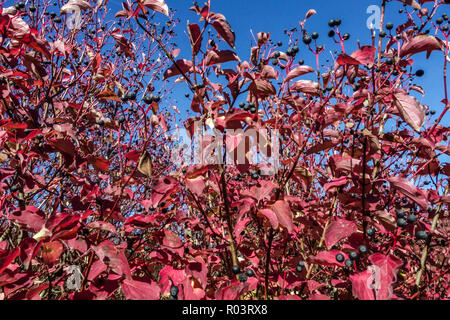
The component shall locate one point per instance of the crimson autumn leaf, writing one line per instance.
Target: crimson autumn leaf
(99, 163)
(310, 13)
(183, 65)
(284, 215)
(421, 43)
(196, 185)
(125, 45)
(223, 28)
(338, 230)
(306, 86)
(260, 191)
(220, 56)
(410, 109)
(114, 257)
(271, 216)
(139, 290)
(6, 257)
(102, 225)
(365, 55)
(344, 60)
(195, 37)
(31, 218)
(362, 284)
(412, 3)
(408, 189)
(341, 181)
(173, 243)
(327, 258)
(51, 251)
(268, 72)
(298, 71)
(262, 87)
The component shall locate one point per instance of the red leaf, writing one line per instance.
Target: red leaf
(327, 258)
(408, 189)
(421, 43)
(299, 71)
(345, 59)
(365, 55)
(262, 87)
(306, 86)
(51, 251)
(29, 218)
(260, 191)
(8, 258)
(32, 292)
(310, 13)
(338, 230)
(102, 225)
(99, 163)
(133, 155)
(223, 28)
(362, 285)
(410, 110)
(114, 257)
(63, 146)
(271, 215)
(220, 56)
(335, 183)
(138, 290)
(183, 65)
(172, 242)
(196, 185)
(284, 215)
(195, 37)
(268, 72)
(413, 3)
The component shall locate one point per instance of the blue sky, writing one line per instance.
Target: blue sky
(275, 16)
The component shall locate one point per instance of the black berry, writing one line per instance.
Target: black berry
(349, 263)
(174, 291)
(353, 255)
(307, 39)
(370, 232)
(401, 222)
(236, 269)
(421, 235)
(420, 73)
(411, 218)
(340, 257)
(362, 249)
